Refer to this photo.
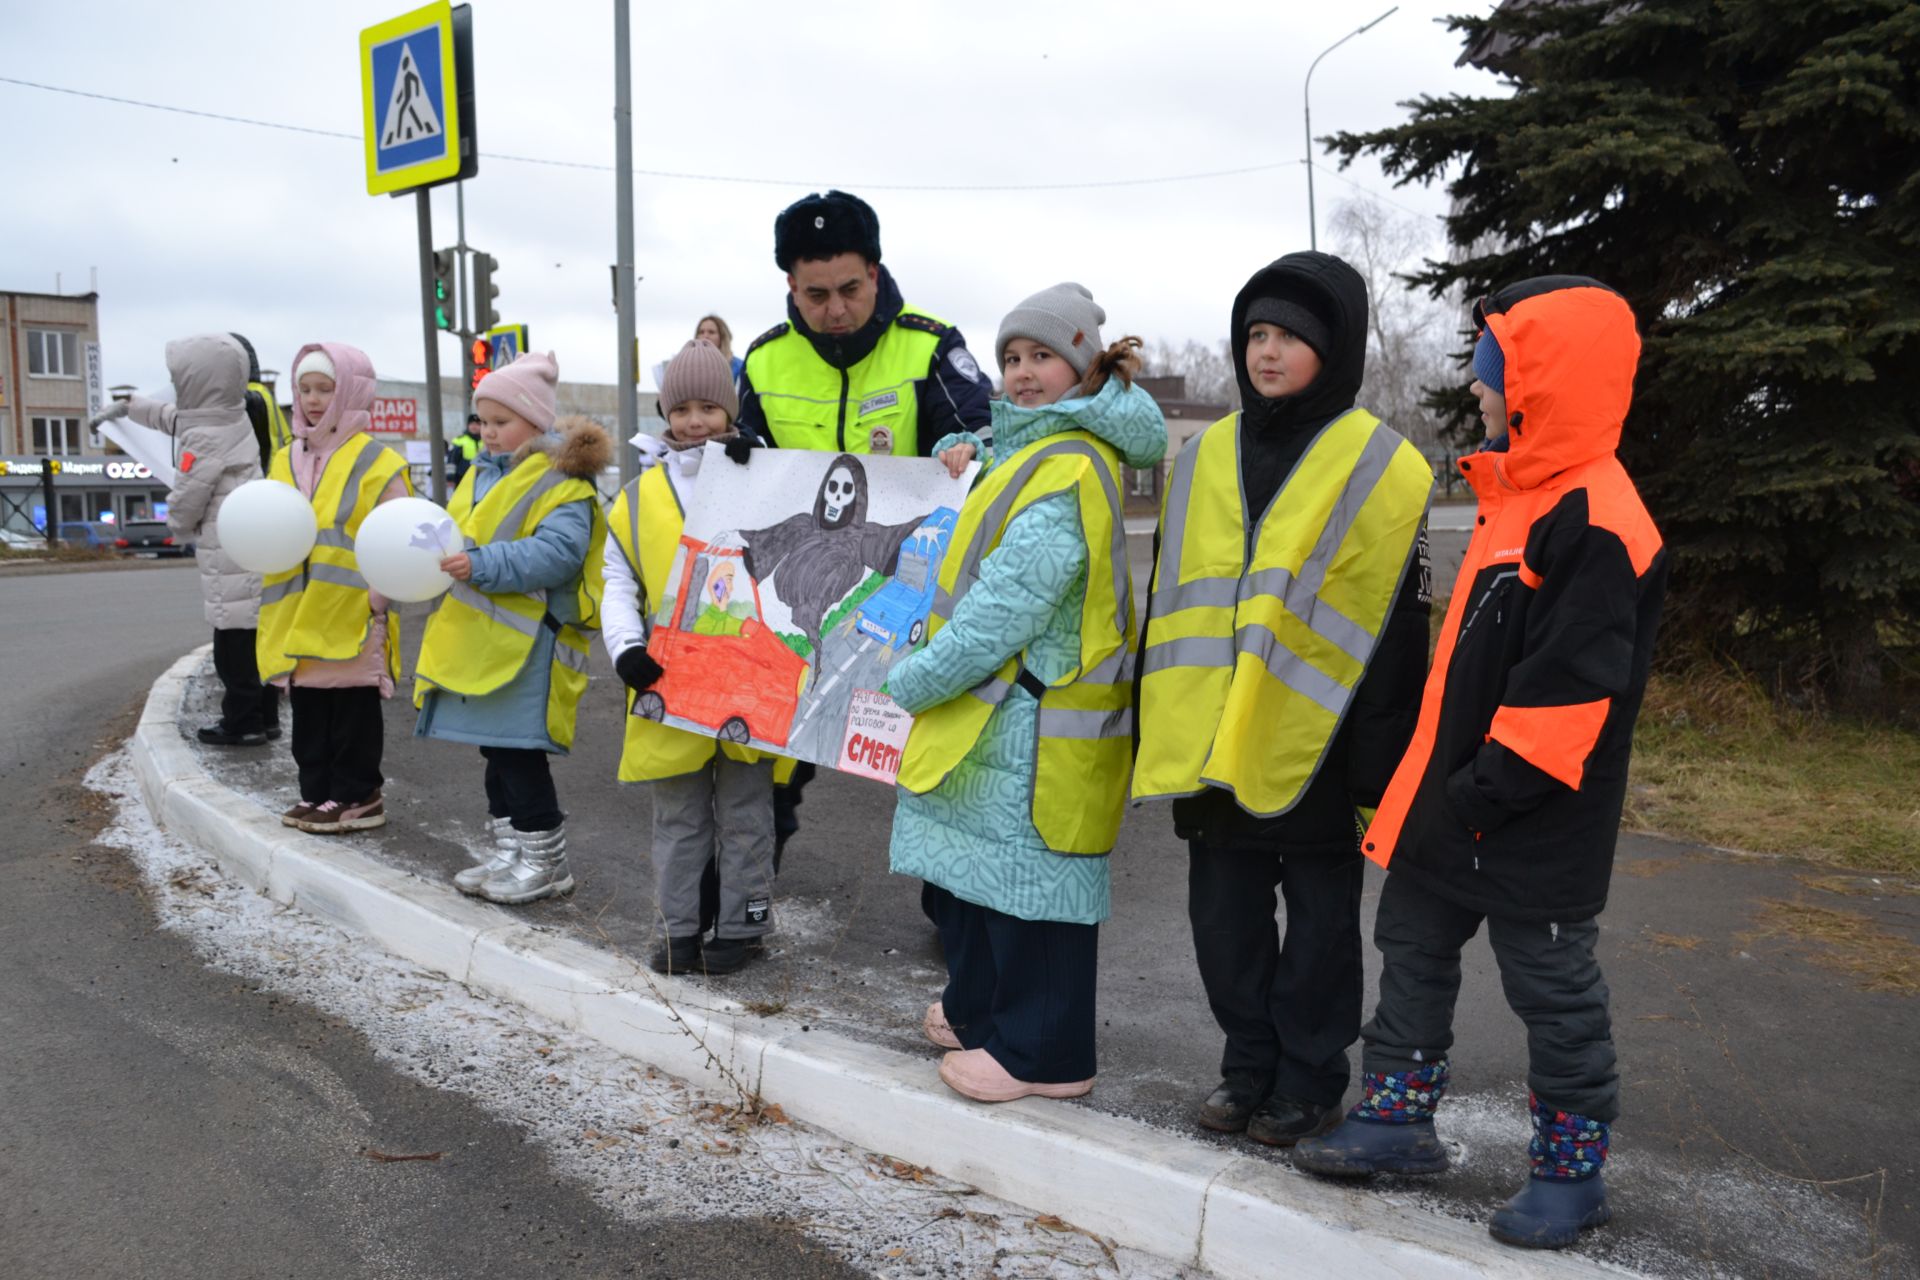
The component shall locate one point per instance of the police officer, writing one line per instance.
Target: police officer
(853, 368)
(464, 448)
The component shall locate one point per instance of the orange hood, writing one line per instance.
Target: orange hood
(1571, 349)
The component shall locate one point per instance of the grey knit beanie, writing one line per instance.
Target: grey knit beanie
(1064, 319)
(699, 372)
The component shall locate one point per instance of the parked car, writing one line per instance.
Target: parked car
(750, 680)
(896, 614)
(97, 535)
(150, 538)
(17, 540)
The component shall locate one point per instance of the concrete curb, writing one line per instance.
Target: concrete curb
(1236, 1215)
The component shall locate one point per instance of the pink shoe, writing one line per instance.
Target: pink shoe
(975, 1074)
(938, 1029)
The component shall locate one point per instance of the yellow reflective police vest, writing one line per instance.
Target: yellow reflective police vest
(279, 434)
(646, 522)
(319, 608)
(1249, 667)
(476, 641)
(1085, 721)
(872, 407)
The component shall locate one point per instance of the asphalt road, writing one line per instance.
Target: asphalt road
(160, 1119)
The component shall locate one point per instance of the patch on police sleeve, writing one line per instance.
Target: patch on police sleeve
(759, 910)
(962, 361)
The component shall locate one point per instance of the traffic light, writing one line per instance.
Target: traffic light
(482, 359)
(485, 314)
(443, 268)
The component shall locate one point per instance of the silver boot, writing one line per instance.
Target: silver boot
(506, 852)
(541, 870)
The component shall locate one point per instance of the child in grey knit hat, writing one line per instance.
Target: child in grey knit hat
(1049, 349)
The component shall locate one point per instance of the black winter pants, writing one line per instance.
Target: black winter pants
(337, 743)
(520, 786)
(1290, 1008)
(1551, 979)
(1023, 990)
(246, 705)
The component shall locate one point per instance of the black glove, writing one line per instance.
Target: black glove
(637, 667)
(739, 449)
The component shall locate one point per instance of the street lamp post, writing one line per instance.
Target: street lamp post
(1306, 94)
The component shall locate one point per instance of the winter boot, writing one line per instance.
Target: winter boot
(729, 955)
(1390, 1130)
(1565, 1193)
(540, 872)
(1232, 1104)
(506, 852)
(676, 955)
(1282, 1121)
(219, 735)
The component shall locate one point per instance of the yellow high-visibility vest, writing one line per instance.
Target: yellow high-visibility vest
(476, 641)
(1249, 666)
(646, 522)
(1085, 721)
(872, 407)
(319, 608)
(279, 434)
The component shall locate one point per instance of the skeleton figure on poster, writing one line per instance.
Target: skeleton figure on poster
(816, 558)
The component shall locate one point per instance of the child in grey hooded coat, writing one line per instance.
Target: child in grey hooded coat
(214, 453)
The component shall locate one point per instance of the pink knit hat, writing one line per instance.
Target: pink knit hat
(699, 372)
(526, 387)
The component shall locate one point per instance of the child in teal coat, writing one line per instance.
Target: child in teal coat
(1019, 922)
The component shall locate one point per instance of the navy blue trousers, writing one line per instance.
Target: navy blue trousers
(1023, 990)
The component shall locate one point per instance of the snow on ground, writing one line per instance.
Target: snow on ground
(646, 1145)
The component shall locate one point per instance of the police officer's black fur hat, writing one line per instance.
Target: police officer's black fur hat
(825, 226)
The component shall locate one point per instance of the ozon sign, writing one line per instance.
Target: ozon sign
(129, 471)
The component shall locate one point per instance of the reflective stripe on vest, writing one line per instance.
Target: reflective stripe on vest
(809, 404)
(319, 608)
(1084, 723)
(1248, 670)
(477, 642)
(646, 523)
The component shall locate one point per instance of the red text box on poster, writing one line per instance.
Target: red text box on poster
(395, 416)
(875, 736)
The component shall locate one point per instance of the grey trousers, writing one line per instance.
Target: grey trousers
(721, 812)
(1551, 980)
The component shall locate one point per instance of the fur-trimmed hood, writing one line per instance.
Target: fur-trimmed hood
(577, 446)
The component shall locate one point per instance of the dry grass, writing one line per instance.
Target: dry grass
(1845, 942)
(1716, 760)
(1674, 941)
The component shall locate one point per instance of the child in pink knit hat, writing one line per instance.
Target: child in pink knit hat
(503, 662)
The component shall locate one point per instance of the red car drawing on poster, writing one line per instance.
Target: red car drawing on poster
(725, 669)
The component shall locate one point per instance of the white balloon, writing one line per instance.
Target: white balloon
(400, 546)
(266, 526)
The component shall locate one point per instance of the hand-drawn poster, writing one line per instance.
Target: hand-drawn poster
(801, 578)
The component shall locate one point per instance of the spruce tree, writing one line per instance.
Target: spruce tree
(1747, 174)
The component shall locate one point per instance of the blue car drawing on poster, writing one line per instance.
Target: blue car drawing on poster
(896, 614)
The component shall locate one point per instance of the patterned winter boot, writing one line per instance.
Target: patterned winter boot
(1565, 1193)
(506, 852)
(1390, 1130)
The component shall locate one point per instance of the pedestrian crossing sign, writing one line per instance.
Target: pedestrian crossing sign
(507, 342)
(409, 100)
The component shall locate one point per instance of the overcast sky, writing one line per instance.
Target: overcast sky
(197, 224)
